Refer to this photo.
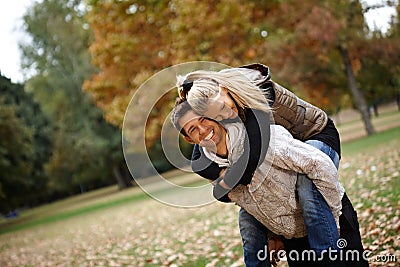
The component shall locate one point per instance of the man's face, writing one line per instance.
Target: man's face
(202, 131)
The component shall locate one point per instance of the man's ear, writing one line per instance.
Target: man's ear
(188, 139)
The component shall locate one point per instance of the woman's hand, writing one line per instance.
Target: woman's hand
(222, 172)
(222, 183)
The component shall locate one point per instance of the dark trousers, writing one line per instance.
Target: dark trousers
(298, 249)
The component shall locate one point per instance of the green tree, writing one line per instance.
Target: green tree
(16, 156)
(386, 82)
(86, 148)
(25, 147)
(325, 47)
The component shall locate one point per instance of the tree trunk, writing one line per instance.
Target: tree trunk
(122, 181)
(358, 97)
(375, 108)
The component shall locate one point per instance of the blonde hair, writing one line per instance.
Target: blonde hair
(244, 91)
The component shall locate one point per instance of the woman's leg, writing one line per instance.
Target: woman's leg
(320, 224)
(322, 231)
(321, 227)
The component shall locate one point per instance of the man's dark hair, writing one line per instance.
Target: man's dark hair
(181, 107)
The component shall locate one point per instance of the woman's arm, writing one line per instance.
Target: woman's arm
(207, 169)
(203, 166)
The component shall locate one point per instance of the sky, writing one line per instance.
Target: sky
(11, 13)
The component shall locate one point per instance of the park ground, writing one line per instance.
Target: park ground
(108, 227)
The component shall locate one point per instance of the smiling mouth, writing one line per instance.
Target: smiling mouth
(209, 136)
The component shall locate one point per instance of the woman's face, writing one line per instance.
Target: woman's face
(221, 106)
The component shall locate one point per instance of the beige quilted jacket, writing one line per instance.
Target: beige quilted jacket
(271, 196)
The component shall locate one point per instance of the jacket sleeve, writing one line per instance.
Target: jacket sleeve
(203, 166)
(208, 169)
(294, 155)
(255, 148)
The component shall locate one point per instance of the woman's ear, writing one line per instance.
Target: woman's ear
(224, 89)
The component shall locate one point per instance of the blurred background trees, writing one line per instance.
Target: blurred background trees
(85, 59)
(322, 50)
(25, 144)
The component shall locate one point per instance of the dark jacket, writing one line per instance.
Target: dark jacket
(299, 117)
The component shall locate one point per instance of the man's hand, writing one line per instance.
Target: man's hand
(275, 245)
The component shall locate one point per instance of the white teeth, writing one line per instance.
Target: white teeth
(208, 137)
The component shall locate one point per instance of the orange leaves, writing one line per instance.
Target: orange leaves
(127, 43)
(371, 181)
(356, 64)
(134, 40)
(297, 39)
(319, 26)
(147, 233)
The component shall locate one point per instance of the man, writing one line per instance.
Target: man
(212, 136)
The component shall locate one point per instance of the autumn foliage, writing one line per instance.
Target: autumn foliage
(299, 40)
(135, 39)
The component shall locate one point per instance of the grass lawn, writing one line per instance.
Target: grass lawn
(128, 228)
